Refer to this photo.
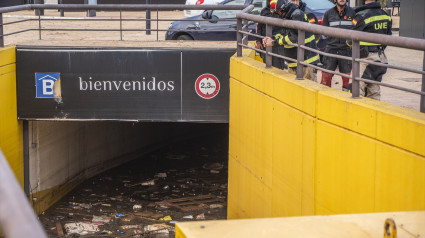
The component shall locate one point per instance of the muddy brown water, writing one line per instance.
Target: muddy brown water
(184, 181)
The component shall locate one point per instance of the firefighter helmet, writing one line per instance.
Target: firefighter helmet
(282, 5)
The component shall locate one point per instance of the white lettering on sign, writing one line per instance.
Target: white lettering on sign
(48, 86)
(116, 85)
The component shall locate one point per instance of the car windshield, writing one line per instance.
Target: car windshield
(258, 6)
(318, 4)
(228, 13)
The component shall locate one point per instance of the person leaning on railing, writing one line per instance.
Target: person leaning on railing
(371, 18)
(341, 16)
(290, 11)
(267, 11)
(310, 16)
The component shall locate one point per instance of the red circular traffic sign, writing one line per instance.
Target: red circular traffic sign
(207, 86)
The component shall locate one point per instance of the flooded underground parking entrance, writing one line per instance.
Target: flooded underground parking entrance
(183, 179)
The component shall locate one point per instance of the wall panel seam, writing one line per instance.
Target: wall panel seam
(374, 139)
(250, 171)
(275, 99)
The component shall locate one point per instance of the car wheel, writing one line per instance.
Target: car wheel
(184, 37)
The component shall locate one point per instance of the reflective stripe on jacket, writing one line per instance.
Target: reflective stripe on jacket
(332, 18)
(371, 18)
(290, 36)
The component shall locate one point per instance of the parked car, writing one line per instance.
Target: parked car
(318, 7)
(221, 28)
(218, 30)
(191, 13)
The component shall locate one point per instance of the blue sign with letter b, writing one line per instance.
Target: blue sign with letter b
(45, 84)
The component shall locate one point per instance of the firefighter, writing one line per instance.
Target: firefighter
(290, 11)
(267, 11)
(311, 17)
(340, 16)
(371, 18)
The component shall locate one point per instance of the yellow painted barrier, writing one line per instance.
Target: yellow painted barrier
(11, 137)
(408, 225)
(299, 148)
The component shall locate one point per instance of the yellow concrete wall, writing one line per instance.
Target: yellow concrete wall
(299, 148)
(11, 137)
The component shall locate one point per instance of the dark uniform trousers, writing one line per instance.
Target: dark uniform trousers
(342, 20)
(371, 18)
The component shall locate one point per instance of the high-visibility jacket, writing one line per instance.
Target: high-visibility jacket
(291, 36)
(333, 18)
(261, 28)
(310, 17)
(371, 18)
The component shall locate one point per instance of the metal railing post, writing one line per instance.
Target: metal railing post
(1, 31)
(17, 219)
(300, 55)
(61, 10)
(355, 90)
(39, 12)
(39, 27)
(268, 48)
(157, 25)
(121, 24)
(422, 105)
(239, 37)
(92, 13)
(245, 28)
(148, 19)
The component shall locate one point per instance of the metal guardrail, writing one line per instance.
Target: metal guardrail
(242, 36)
(110, 7)
(17, 219)
(355, 36)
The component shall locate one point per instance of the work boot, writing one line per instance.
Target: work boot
(326, 79)
(345, 83)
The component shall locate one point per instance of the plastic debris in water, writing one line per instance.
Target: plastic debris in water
(149, 183)
(166, 218)
(126, 227)
(81, 228)
(158, 228)
(161, 175)
(212, 206)
(101, 219)
(200, 216)
(137, 207)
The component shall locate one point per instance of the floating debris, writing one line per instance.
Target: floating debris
(200, 216)
(126, 227)
(191, 203)
(161, 175)
(137, 207)
(166, 218)
(131, 202)
(101, 219)
(213, 206)
(81, 228)
(159, 228)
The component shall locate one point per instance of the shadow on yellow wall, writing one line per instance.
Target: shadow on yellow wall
(299, 148)
(11, 137)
